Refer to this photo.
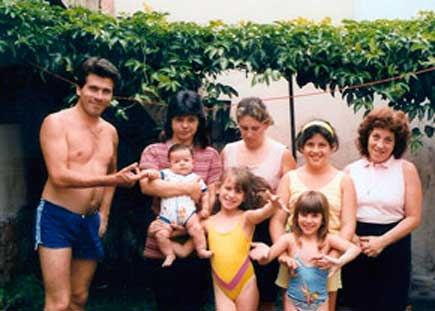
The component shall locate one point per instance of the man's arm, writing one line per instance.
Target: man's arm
(108, 191)
(55, 151)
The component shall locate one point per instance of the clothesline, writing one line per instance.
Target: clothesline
(266, 99)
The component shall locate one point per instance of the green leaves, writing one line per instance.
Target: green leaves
(157, 58)
(429, 130)
(22, 293)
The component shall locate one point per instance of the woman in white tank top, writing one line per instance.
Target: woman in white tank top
(264, 157)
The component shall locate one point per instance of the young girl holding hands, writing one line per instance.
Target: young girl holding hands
(308, 242)
(229, 234)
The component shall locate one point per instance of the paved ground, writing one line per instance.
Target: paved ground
(416, 305)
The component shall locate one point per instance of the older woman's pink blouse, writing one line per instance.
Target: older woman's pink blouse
(380, 190)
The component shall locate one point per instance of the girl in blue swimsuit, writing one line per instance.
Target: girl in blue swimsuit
(307, 243)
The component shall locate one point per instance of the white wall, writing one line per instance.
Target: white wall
(230, 11)
(128, 6)
(390, 9)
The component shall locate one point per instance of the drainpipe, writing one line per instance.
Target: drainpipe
(292, 115)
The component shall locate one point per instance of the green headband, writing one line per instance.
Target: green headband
(319, 123)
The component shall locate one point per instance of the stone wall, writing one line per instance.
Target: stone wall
(8, 250)
(12, 195)
(423, 250)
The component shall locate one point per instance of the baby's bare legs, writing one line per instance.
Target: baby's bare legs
(165, 246)
(196, 231)
(183, 250)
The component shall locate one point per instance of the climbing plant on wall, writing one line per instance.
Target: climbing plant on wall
(158, 58)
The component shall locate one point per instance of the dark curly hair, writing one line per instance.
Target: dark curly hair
(388, 119)
(317, 126)
(253, 187)
(187, 103)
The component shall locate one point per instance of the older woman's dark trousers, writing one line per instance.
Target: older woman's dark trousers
(378, 283)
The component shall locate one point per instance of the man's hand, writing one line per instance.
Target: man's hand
(129, 175)
(151, 174)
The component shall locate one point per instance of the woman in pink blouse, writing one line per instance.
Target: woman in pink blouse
(183, 285)
(389, 202)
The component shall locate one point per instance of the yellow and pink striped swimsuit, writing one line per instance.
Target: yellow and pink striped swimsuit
(231, 266)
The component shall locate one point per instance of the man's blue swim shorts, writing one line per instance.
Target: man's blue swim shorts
(57, 227)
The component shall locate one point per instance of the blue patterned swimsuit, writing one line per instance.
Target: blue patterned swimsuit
(307, 289)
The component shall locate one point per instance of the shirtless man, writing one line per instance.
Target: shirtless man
(79, 150)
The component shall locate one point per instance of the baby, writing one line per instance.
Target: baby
(181, 210)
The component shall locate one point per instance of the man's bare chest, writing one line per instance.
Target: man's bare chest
(85, 146)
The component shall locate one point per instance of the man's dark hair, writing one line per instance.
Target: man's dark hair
(100, 67)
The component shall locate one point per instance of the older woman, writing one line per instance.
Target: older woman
(264, 157)
(317, 140)
(181, 286)
(389, 200)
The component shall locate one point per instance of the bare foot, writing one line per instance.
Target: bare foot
(168, 261)
(203, 253)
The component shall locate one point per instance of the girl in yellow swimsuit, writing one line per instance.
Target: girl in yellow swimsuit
(229, 232)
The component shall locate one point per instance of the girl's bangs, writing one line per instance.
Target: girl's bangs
(313, 208)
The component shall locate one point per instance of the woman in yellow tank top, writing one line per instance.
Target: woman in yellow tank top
(317, 140)
(229, 234)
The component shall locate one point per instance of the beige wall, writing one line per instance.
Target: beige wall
(91, 4)
(108, 6)
(232, 12)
